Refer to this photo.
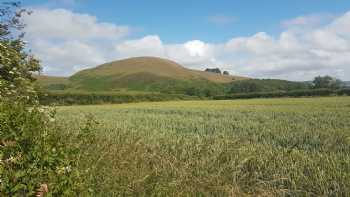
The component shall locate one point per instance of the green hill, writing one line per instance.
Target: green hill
(147, 74)
(156, 75)
(52, 83)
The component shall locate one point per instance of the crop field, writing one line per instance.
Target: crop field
(258, 147)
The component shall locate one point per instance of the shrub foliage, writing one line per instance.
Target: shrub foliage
(35, 154)
(86, 98)
(294, 93)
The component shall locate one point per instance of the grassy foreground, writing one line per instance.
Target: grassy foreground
(265, 147)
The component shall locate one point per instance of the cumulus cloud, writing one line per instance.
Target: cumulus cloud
(64, 24)
(197, 48)
(147, 46)
(67, 57)
(194, 54)
(295, 54)
(78, 41)
(66, 42)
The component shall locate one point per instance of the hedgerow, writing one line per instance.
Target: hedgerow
(294, 93)
(78, 98)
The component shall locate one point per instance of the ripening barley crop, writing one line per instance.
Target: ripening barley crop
(266, 147)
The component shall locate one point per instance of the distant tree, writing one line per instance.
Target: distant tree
(326, 82)
(245, 87)
(213, 70)
(226, 73)
(192, 91)
(209, 92)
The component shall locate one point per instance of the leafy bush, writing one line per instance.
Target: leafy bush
(35, 154)
(15, 71)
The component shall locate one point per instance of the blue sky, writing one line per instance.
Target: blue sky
(182, 20)
(293, 40)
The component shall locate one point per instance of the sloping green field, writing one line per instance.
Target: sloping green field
(266, 147)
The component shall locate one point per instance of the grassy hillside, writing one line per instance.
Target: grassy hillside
(147, 74)
(152, 66)
(52, 83)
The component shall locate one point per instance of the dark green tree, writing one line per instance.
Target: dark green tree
(213, 70)
(327, 82)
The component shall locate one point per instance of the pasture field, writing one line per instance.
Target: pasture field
(258, 147)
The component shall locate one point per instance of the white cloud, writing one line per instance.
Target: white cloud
(64, 24)
(197, 48)
(66, 42)
(147, 46)
(193, 54)
(77, 41)
(260, 43)
(67, 57)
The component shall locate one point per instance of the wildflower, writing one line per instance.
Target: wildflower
(67, 169)
(11, 159)
(62, 170)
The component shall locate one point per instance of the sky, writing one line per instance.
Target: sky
(293, 40)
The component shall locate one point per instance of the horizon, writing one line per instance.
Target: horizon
(291, 41)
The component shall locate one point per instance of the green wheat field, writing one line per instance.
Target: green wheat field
(258, 147)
